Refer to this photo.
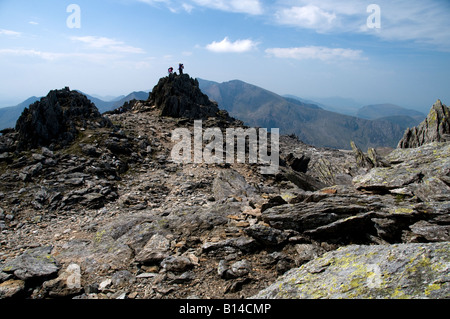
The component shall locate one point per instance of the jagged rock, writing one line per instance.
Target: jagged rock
(156, 249)
(56, 119)
(361, 159)
(229, 183)
(357, 218)
(302, 217)
(243, 244)
(35, 263)
(435, 128)
(103, 252)
(177, 263)
(376, 272)
(67, 284)
(266, 235)
(376, 159)
(11, 288)
(180, 96)
(274, 201)
(431, 232)
(238, 269)
(241, 268)
(418, 171)
(298, 164)
(307, 252)
(302, 180)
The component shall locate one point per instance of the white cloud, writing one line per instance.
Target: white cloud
(152, 2)
(316, 52)
(10, 33)
(252, 7)
(107, 44)
(187, 7)
(423, 22)
(33, 22)
(310, 16)
(51, 56)
(225, 45)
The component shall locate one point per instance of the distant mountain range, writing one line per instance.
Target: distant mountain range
(9, 115)
(377, 111)
(313, 123)
(310, 122)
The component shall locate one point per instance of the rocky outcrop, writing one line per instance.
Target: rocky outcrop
(56, 119)
(180, 96)
(376, 272)
(421, 172)
(435, 128)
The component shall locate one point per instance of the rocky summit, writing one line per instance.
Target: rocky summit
(56, 119)
(435, 128)
(94, 207)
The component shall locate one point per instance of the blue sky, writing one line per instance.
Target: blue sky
(397, 51)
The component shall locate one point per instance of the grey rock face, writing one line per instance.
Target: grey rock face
(230, 184)
(180, 96)
(435, 128)
(380, 271)
(420, 172)
(34, 263)
(55, 118)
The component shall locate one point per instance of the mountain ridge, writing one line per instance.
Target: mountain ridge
(375, 111)
(313, 125)
(10, 114)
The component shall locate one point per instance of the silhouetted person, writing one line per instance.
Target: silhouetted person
(180, 68)
(170, 70)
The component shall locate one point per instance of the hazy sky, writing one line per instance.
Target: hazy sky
(392, 51)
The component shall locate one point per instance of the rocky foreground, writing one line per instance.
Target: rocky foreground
(93, 207)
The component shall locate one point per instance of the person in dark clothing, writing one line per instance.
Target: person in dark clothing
(180, 68)
(170, 70)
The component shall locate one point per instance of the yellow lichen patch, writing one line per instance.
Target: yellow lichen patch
(399, 294)
(431, 288)
(401, 210)
(99, 236)
(287, 196)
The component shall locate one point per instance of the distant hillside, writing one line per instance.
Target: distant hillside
(104, 106)
(336, 104)
(313, 125)
(373, 112)
(136, 95)
(9, 115)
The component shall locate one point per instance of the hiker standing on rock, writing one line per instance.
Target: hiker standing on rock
(180, 68)
(170, 70)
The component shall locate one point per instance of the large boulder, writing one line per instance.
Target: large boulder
(435, 128)
(378, 271)
(180, 96)
(34, 263)
(56, 119)
(423, 172)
